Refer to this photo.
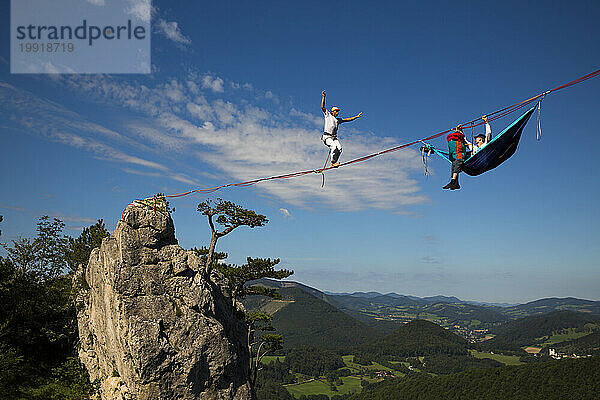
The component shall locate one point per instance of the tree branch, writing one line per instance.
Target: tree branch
(210, 222)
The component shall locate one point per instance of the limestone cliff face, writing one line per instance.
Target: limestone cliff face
(150, 325)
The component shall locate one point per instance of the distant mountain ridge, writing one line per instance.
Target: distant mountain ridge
(376, 322)
(386, 312)
(429, 299)
(534, 307)
(544, 306)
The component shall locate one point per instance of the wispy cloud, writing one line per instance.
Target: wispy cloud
(141, 9)
(16, 208)
(312, 118)
(285, 213)
(72, 218)
(171, 30)
(271, 96)
(240, 141)
(54, 122)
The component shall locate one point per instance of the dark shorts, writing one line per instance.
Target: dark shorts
(457, 166)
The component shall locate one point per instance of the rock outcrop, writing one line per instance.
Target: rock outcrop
(151, 325)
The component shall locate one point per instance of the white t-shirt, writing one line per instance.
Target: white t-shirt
(331, 123)
(488, 138)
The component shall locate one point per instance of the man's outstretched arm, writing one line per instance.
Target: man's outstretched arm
(353, 118)
(323, 101)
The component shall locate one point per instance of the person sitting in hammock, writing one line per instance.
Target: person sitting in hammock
(457, 154)
(330, 130)
(481, 140)
(459, 149)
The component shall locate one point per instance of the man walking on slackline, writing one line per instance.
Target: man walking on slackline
(330, 130)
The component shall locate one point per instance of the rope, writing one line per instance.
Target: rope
(538, 135)
(324, 165)
(491, 117)
(472, 139)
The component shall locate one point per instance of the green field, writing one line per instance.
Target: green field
(569, 334)
(351, 385)
(349, 360)
(270, 359)
(507, 360)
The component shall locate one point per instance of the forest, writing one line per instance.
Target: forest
(38, 327)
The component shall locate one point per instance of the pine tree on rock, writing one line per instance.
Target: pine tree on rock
(230, 216)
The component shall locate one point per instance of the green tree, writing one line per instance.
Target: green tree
(44, 256)
(78, 250)
(230, 216)
(217, 256)
(313, 361)
(254, 269)
(38, 328)
(260, 340)
(270, 390)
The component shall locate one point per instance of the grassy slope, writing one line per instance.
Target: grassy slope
(506, 360)
(351, 385)
(313, 322)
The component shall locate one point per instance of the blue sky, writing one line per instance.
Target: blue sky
(235, 93)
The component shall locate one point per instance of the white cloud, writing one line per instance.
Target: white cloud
(271, 96)
(175, 93)
(156, 137)
(200, 108)
(97, 2)
(46, 67)
(316, 120)
(104, 151)
(72, 218)
(214, 84)
(172, 31)
(12, 207)
(140, 9)
(192, 86)
(241, 142)
(59, 124)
